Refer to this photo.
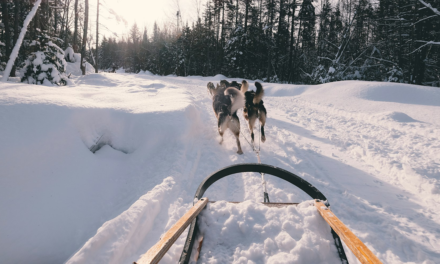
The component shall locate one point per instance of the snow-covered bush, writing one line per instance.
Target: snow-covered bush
(69, 55)
(46, 64)
(369, 70)
(394, 75)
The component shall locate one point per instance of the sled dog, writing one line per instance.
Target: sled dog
(254, 107)
(226, 100)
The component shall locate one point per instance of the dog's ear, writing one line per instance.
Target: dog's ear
(244, 86)
(211, 88)
(224, 83)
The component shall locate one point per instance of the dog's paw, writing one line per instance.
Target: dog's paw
(240, 152)
(263, 138)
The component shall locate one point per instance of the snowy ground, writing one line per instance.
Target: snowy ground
(372, 148)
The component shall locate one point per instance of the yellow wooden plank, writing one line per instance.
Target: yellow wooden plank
(358, 248)
(155, 254)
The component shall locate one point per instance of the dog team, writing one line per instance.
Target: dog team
(227, 98)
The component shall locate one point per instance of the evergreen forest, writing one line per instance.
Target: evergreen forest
(285, 41)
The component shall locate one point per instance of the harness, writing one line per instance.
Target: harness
(257, 152)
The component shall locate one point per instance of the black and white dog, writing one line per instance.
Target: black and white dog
(226, 100)
(254, 107)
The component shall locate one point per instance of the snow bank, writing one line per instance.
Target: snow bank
(126, 234)
(54, 192)
(250, 232)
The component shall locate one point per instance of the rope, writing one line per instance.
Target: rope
(257, 151)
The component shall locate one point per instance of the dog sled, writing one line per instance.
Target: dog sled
(338, 229)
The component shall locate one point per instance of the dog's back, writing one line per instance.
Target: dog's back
(254, 108)
(226, 101)
(220, 102)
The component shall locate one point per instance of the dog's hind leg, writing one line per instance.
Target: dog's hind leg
(222, 125)
(262, 117)
(251, 123)
(234, 126)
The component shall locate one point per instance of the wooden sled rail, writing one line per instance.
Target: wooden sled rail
(362, 253)
(155, 254)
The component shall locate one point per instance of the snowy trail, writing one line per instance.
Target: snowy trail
(374, 155)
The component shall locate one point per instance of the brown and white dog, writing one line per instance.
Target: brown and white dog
(226, 100)
(254, 107)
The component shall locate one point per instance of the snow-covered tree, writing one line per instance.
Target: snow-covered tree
(46, 64)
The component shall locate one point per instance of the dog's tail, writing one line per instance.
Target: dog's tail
(259, 94)
(237, 98)
(244, 86)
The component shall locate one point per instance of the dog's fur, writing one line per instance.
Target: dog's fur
(254, 107)
(226, 100)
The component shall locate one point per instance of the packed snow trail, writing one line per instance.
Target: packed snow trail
(371, 148)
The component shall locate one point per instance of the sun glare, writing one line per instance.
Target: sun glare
(120, 15)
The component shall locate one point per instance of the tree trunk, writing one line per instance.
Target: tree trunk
(16, 20)
(292, 41)
(246, 16)
(97, 37)
(17, 46)
(66, 21)
(84, 40)
(7, 31)
(55, 14)
(236, 14)
(75, 30)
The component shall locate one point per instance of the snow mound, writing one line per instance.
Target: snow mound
(126, 235)
(120, 70)
(402, 93)
(250, 232)
(146, 73)
(270, 90)
(74, 67)
(219, 77)
(400, 117)
(69, 55)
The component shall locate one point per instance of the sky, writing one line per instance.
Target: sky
(119, 15)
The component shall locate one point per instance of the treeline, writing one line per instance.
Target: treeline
(293, 41)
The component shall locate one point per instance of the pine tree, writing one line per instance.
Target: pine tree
(46, 63)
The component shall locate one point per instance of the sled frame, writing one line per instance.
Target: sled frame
(260, 168)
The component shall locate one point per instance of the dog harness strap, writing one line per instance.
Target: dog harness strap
(263, 182)
(257, 151)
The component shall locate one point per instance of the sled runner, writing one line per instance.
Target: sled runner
(339, 230)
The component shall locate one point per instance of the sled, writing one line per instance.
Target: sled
(338, 229)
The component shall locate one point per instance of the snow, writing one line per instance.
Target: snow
(265, 235)
(120, 70)
(371, 148)
(69, 55)
(435, 10)
(146, 73)
(74, 67)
